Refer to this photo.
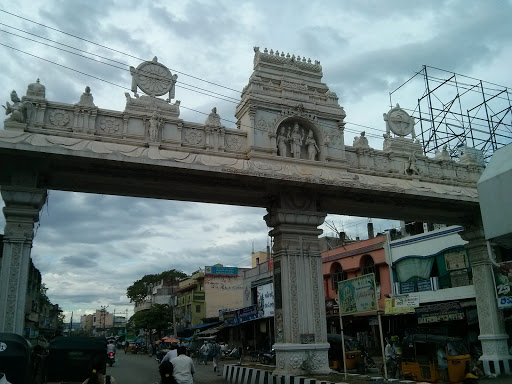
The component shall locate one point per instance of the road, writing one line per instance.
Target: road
(137, 369)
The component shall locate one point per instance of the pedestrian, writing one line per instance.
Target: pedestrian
(215, 352)
(203, 353)
(150, 350)
(166, 370)
(183, 367)
(99, 372)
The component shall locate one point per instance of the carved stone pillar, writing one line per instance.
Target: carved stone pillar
(493, 336)
(21, 211)
(300, 327)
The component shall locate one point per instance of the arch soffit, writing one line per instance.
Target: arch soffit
(364, 259)
(334, 267)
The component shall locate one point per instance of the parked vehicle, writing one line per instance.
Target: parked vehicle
(419, 360)
(69, 358)
(353, 354)
(15, 358)
(268, 357)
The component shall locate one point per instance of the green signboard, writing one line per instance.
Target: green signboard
(357, 295)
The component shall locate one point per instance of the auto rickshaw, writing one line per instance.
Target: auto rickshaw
(352, 352)
(420, 354)
(16, 358)
(131, 347)
(69, 358)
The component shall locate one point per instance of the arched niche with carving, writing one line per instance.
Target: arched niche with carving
(299, 138)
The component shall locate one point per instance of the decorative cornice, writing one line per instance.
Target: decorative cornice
(287, 60)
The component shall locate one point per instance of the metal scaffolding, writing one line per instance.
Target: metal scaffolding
(457, 111)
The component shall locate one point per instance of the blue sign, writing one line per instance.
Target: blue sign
(248, 313)
(424, 285)
(226, 271)
(407, 287)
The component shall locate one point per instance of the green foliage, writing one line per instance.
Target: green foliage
(138, 291)
(157, 317)
(43, 297)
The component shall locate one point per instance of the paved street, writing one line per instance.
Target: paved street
(137, 369)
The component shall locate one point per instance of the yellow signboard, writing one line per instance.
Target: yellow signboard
(401, 304)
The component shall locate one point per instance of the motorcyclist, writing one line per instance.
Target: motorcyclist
(391, 353)
(111, 347)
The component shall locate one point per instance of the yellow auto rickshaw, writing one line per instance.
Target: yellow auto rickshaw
(352, 352)
(434, 358)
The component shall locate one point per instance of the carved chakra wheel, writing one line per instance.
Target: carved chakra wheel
(399, 122)
(153, 78)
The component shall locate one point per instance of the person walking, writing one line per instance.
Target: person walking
(215, 352)
(203, 353)
(183, 367)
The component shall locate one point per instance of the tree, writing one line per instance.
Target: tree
(138, 291)
(157, 317)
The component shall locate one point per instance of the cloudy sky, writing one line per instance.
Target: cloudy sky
(89, 248)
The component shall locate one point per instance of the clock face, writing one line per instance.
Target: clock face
(154, 78)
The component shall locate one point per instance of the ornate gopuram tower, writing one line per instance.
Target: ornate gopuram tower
(288, 112)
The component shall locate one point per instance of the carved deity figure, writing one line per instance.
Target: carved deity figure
(361, 142)
(154, 126)
(443, 155)
(311, 146)
(411, 167)
(296, 140)
(86, 99)
(282, 140)
(17, 110)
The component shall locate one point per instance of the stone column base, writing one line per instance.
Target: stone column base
(301, 359)
(495, 358)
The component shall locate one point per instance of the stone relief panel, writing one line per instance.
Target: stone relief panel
(110, 125)
(193, 136)
(59, 117)
(13, 280)
(233, 143)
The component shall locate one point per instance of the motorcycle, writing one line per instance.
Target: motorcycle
(268, 357)
(111, 358)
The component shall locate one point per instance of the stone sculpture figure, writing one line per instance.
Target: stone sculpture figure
(18, 109)
(282, 140)
(311, 146)
(154, 126)
(86, 100)
(361, 142)
(296, 140)
(411, 168)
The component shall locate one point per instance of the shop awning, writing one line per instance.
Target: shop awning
(211, 331)
(200, 326)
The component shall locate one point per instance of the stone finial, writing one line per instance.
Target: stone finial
(36, 90)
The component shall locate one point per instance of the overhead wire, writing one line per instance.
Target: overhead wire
(126, 88)
(214, 94)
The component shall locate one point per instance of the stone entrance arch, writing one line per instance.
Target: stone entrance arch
(146, 150)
